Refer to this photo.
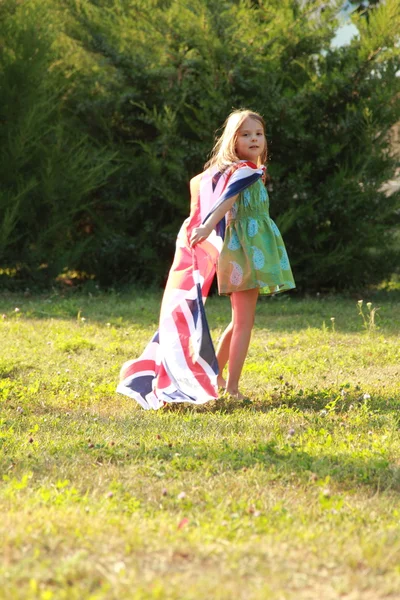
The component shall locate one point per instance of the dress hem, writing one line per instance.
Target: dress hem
(282, 287)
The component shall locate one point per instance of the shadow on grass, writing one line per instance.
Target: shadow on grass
(282, 462)
(101, 308)
(283, 459)
(281, 314)
(315, 400)
(285, 462)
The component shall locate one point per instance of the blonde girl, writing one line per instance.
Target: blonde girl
(253, 259)
(229, 231)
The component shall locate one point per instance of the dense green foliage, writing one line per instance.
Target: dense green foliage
(50, 171)
(110, 106)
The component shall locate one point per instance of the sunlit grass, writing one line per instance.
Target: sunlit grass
(290, 494)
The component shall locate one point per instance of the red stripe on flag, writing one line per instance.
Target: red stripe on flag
(196, 369)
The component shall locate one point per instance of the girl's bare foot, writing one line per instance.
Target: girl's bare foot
(221, 383)
(235, 394)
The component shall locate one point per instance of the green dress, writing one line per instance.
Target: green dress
(253, 254)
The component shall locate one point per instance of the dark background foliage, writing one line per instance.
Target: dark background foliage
(108, 107)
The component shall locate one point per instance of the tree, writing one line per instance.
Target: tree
(49, 168)
(150, 81)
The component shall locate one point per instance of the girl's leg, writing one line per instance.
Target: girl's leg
(223, 352)
(243, 311)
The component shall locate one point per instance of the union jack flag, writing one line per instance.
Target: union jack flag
(179, 363)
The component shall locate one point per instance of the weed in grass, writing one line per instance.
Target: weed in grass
(368, 319)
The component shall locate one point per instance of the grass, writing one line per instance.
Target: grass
(293, 494)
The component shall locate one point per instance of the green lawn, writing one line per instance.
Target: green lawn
(293, 494)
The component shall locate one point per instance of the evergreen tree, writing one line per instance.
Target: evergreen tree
(149, 81)
(49, 167)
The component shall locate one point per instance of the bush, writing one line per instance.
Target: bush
(140, 87)
(50, 169)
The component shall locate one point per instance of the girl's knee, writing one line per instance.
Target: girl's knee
(243, 321)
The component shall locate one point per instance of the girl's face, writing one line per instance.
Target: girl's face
(250, 141)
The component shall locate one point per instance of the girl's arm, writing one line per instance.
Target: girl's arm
(201, 233)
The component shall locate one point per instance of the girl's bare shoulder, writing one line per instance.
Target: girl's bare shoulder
(195, 182)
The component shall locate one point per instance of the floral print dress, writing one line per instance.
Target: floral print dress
(253, 254)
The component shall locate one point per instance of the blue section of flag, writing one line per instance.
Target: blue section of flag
(207, 352)
(193, 306)
(142, 384)
(233, 188)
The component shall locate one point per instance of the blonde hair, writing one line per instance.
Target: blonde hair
(224, 152)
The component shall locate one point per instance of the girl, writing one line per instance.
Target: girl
(246, 249)
(253, 259)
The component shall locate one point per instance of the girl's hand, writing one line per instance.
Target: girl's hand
(199, 234)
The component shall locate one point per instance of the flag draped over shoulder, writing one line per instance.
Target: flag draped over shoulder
(179, 363)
